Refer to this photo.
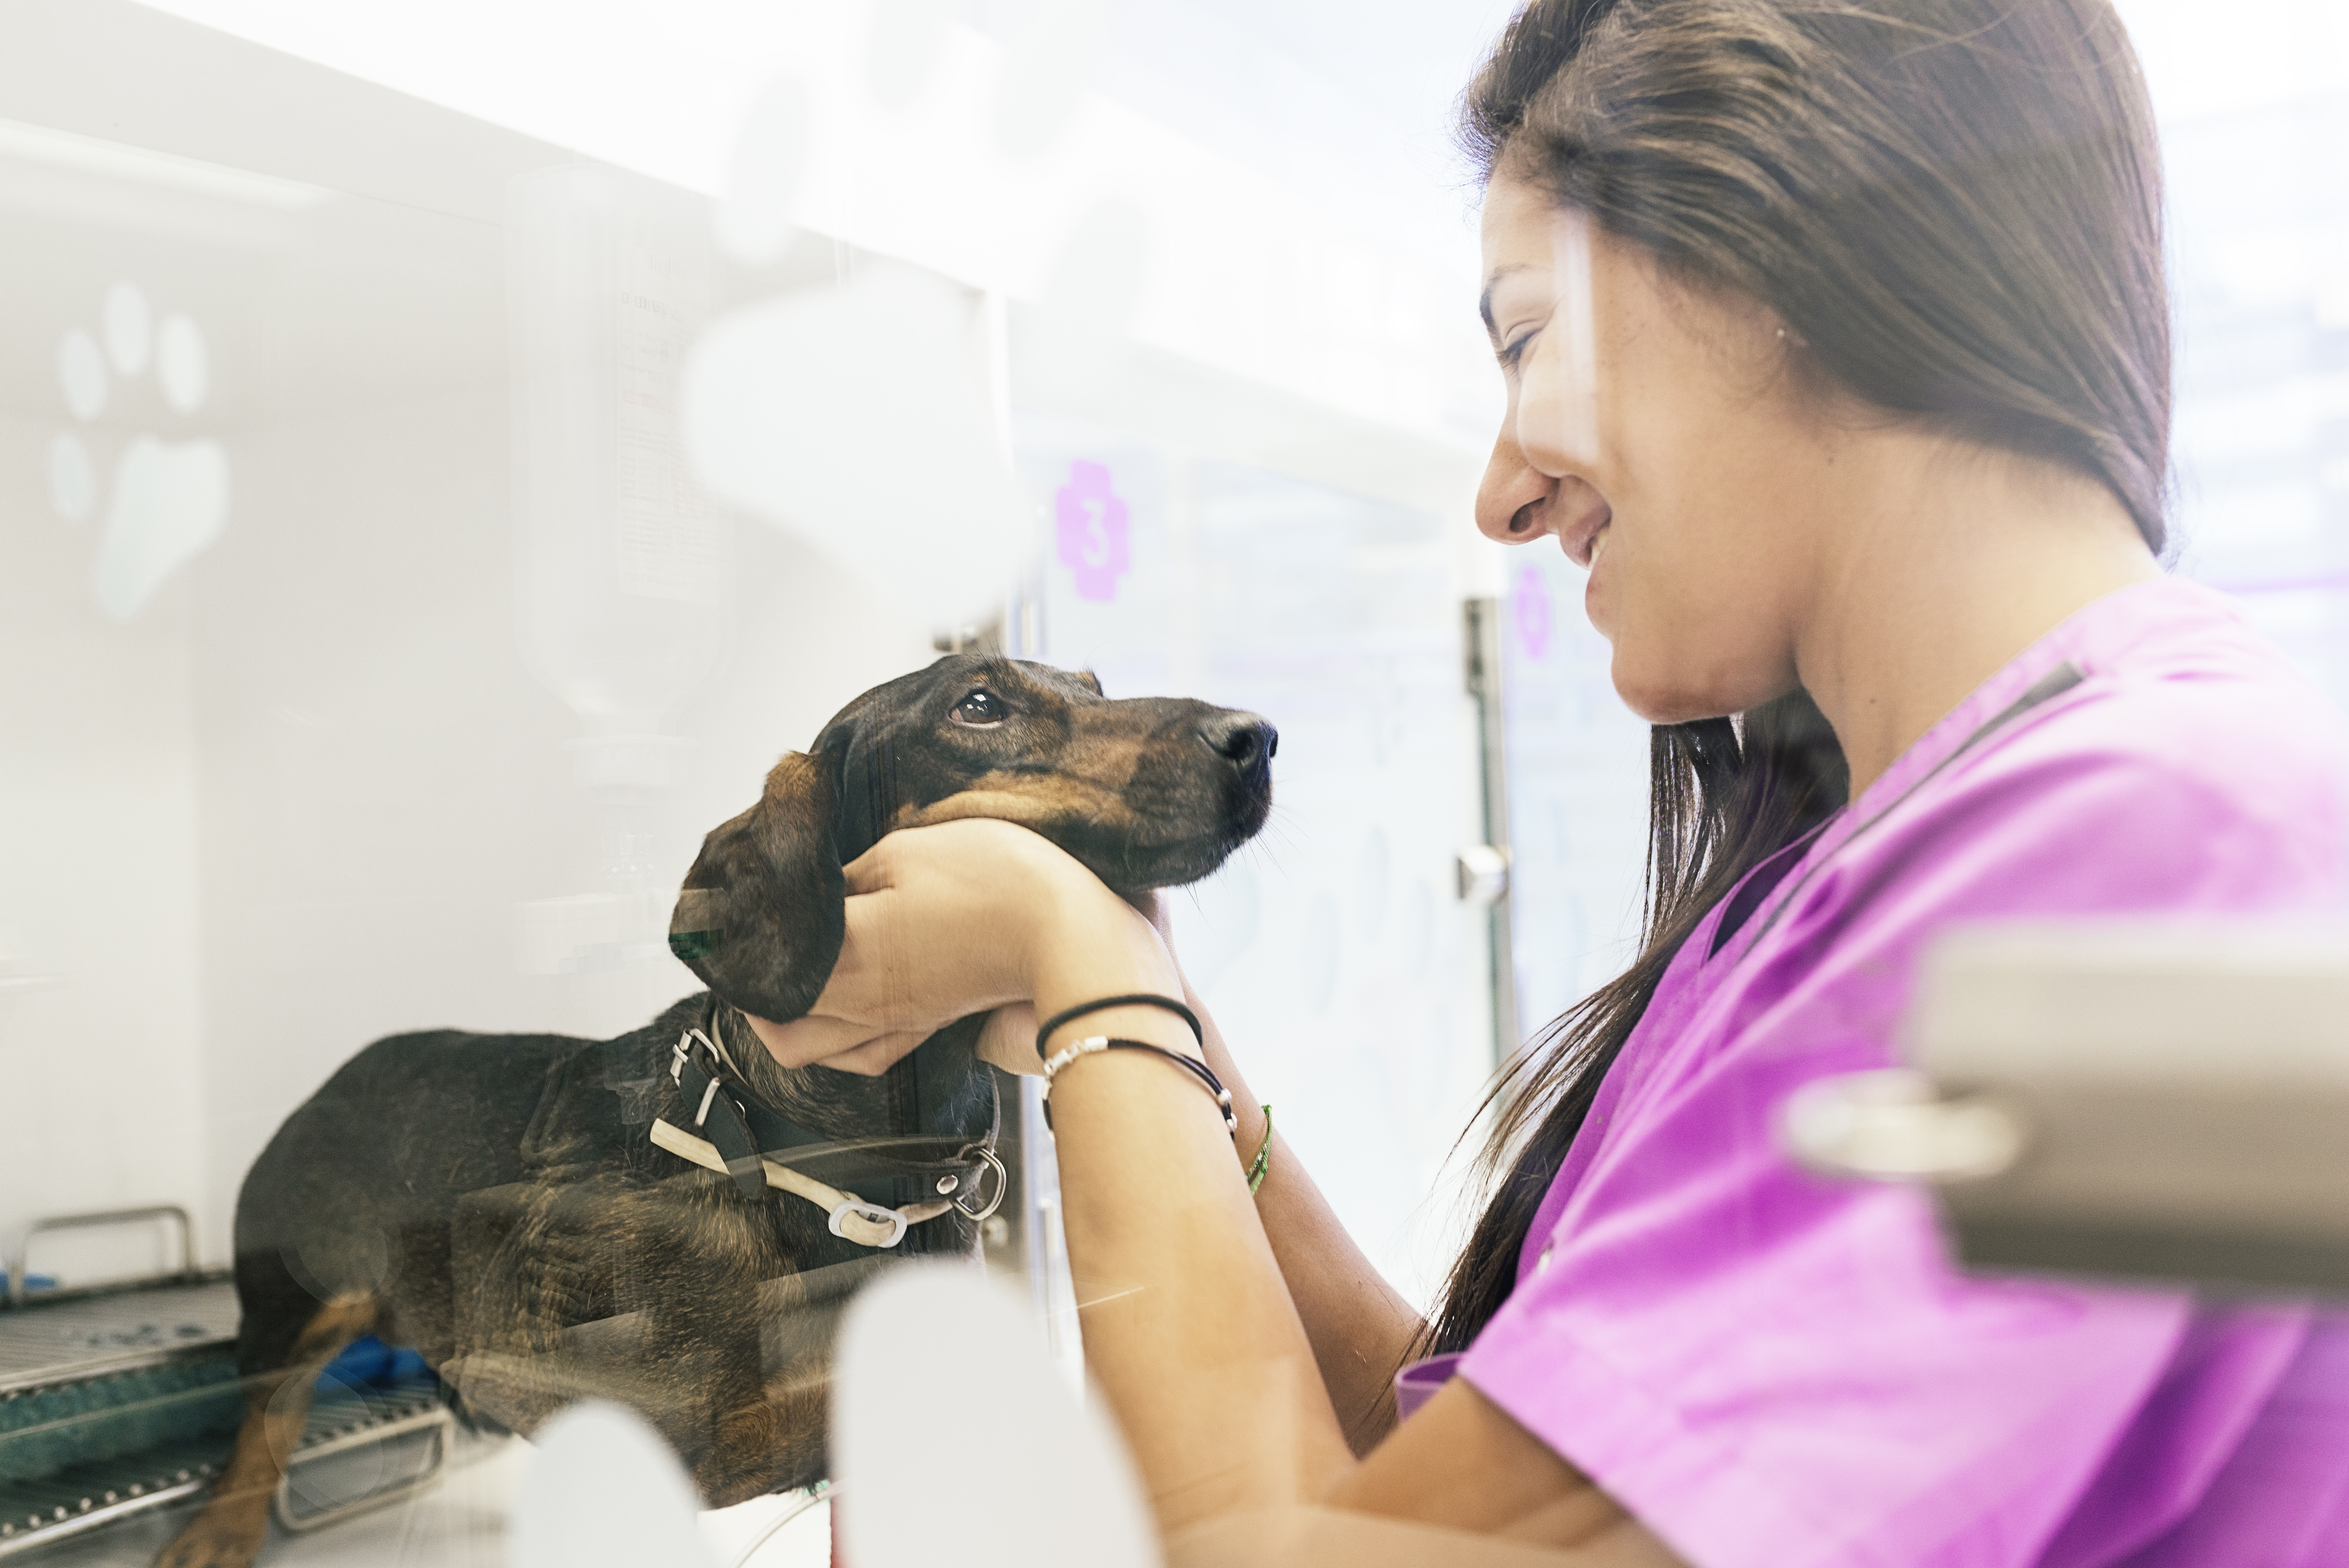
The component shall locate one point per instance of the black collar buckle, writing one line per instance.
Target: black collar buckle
(725, 1111)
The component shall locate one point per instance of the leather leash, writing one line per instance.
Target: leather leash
(733, 1131)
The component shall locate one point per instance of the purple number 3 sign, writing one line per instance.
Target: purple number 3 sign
(1089, 523)
(1534, 616)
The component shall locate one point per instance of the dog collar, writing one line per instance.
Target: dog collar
(723, 1140)
(910, 1167)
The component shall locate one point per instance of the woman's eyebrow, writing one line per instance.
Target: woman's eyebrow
(1493, 281)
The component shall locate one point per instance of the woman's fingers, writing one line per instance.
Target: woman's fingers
(975, 849)
(805, 1041)
(841, 1042)
(876, 1057)
(1152, 904)
(873, 870)
(953, 919)
(1008, 1041)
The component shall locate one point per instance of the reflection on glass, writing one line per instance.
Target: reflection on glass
(419, 548)
(1335, 942)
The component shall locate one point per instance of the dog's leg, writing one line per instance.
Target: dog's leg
(228, 1534)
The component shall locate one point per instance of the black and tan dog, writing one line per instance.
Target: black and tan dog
(670, 1219)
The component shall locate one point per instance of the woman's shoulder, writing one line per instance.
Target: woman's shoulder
(2176, 701)
(2164, 757)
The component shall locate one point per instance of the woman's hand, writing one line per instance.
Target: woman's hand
(1008, 1039)
(960, 918)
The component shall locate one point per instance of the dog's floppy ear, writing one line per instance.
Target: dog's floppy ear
(761, 918)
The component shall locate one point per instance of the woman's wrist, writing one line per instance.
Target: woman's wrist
(1086, 944)
(1256, 1123)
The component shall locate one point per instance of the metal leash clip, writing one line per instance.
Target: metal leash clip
(969, 1199)
(872, 1214)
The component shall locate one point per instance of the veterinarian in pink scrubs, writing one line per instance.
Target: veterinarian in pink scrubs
(1836, 349)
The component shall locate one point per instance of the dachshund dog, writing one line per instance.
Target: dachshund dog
(670, 1219)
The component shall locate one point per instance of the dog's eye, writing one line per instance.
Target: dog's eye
(980, 710)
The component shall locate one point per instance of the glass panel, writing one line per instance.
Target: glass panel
(499, 507)
(421, 535)
(1335, 947)
(2261, 212)
(1577, 795)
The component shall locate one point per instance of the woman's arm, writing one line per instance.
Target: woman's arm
(1191, 1330)
(1197, 1340)
(1361, 1327)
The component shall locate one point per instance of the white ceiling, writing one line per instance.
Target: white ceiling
(1348, 102)
(2203, 59)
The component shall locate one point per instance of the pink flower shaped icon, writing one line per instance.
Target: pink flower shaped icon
(1089, 523)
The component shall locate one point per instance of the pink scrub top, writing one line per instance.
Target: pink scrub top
(1774, 1370)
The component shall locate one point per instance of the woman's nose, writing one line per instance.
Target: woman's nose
(1513, 496)
(1540, 477)
(1554, 420)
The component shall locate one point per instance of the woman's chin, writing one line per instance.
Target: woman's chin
(1642, 699)
(1660, 699)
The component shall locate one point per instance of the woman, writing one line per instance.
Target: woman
(1836, 349)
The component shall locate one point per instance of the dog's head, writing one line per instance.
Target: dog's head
(1146, 791)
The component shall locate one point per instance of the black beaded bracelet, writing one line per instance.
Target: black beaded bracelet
(1142, 999)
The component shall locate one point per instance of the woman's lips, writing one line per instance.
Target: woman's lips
(1581, 541)
(1594, 606)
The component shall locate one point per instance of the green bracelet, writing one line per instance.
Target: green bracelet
(1262, 1164)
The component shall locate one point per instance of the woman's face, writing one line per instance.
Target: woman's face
(1655, 432)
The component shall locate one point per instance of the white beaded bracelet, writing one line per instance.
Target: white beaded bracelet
(1198, 1070)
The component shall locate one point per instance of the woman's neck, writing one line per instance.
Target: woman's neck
(1941, 561)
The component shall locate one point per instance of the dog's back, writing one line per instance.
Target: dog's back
(354, 1194)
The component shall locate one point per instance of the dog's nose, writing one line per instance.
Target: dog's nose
(1242, 739)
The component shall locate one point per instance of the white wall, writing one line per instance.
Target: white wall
(295, 804)
(99, 866)
(383, 783)
(366, 784)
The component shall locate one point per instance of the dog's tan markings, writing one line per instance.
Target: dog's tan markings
(792, 776)
(228, 1534)
(1032, 800)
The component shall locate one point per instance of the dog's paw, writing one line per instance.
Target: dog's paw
(169, 498)
(219, 1537)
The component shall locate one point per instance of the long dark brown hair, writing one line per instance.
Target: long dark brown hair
(1955, 206)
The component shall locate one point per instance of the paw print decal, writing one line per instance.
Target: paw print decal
(166, 500)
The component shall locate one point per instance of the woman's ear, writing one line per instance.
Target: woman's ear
(760, 917)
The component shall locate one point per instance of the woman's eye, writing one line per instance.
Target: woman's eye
(979, 710)
(1515, 351)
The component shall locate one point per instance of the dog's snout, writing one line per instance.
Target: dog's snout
(1242, 739)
